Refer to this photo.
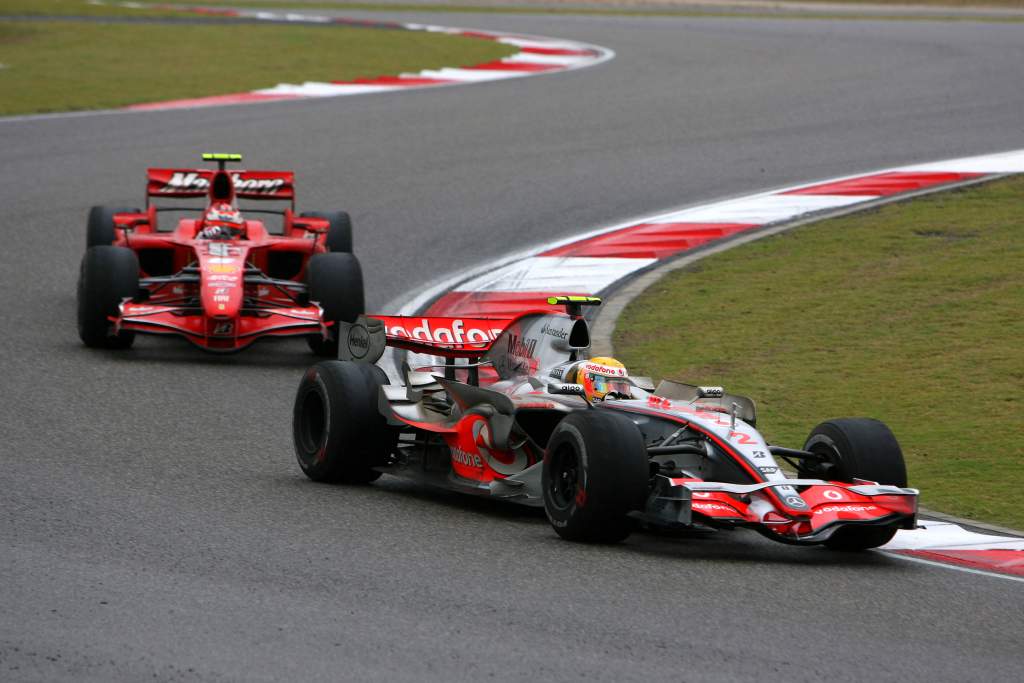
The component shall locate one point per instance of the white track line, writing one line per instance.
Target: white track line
(956, 567)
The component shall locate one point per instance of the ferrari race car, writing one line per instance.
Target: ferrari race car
(600, 450)
(220, 280)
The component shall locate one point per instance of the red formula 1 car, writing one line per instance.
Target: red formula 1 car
(221, 279)
(601, 451)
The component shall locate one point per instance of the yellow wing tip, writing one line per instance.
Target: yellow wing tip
(221, 156)
(573, 299)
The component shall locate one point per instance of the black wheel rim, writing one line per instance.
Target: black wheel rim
(565, 476)
(312, 425)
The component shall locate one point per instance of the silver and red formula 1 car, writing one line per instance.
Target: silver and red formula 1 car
(601, 451)
(220, 280)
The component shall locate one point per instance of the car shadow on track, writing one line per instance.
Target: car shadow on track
(277, 354)
(741, 546)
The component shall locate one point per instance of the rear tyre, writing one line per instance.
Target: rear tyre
(107, 276)
(339, 433)
(859, 448)
(595, 472)
(339, 236)
(336, 283)
(99, 229)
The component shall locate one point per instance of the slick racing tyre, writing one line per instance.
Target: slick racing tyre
(858, 448)
(336, 283)
(107, 276)
(339, 236)
(99, 229)
(595, 471)
(339, 433)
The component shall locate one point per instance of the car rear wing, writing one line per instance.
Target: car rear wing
(365, 339)
(513, 345)
(195, 182)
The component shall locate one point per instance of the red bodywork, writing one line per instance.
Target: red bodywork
(791, 510)
(221, 294)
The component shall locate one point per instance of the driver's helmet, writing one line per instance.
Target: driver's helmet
(603, 376)
(223, 220)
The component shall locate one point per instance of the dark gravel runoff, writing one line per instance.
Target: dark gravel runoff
(154, 524)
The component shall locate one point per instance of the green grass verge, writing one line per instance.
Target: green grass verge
(711, 11)
(912, 313)
(77, 8)
(81, 7)
(63, 66)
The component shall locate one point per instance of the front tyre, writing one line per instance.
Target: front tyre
(338, 432)
(335, 282)
(595, 472)
(108, 275)
(859, 448)
(99, 228)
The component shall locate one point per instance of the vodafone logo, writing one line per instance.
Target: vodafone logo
(606, 370)
(844, 508)
(714, 507)
(468, 459)
(451, 331)
(832, 494)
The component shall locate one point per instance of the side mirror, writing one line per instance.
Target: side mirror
(314, 225)
(567, 389)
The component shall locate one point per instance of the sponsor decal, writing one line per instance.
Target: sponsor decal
(457, 333)
(764, 469)
(849, 507)
(221, 298)
(262, 291)
(659, 402)
(795, 502)
(177, 289)
(358, 341)
(554, 332)
(224, 329)
(711, 392)
(221, 249)
(521, 348)
(558, 373)
(222, 268)
(468, 459)
(832, 494)
(713, 507)
(606, 370)
(184, 181)
(220, 259)
(223, 277)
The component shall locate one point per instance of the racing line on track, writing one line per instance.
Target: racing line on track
(600, 261)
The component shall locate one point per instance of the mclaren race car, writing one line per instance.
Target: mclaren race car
(600, 450)
(220, 279)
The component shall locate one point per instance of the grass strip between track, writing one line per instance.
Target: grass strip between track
(78, 7)
(912, 313)
(51, 66)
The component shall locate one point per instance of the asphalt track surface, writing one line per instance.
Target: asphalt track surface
(154, 525)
